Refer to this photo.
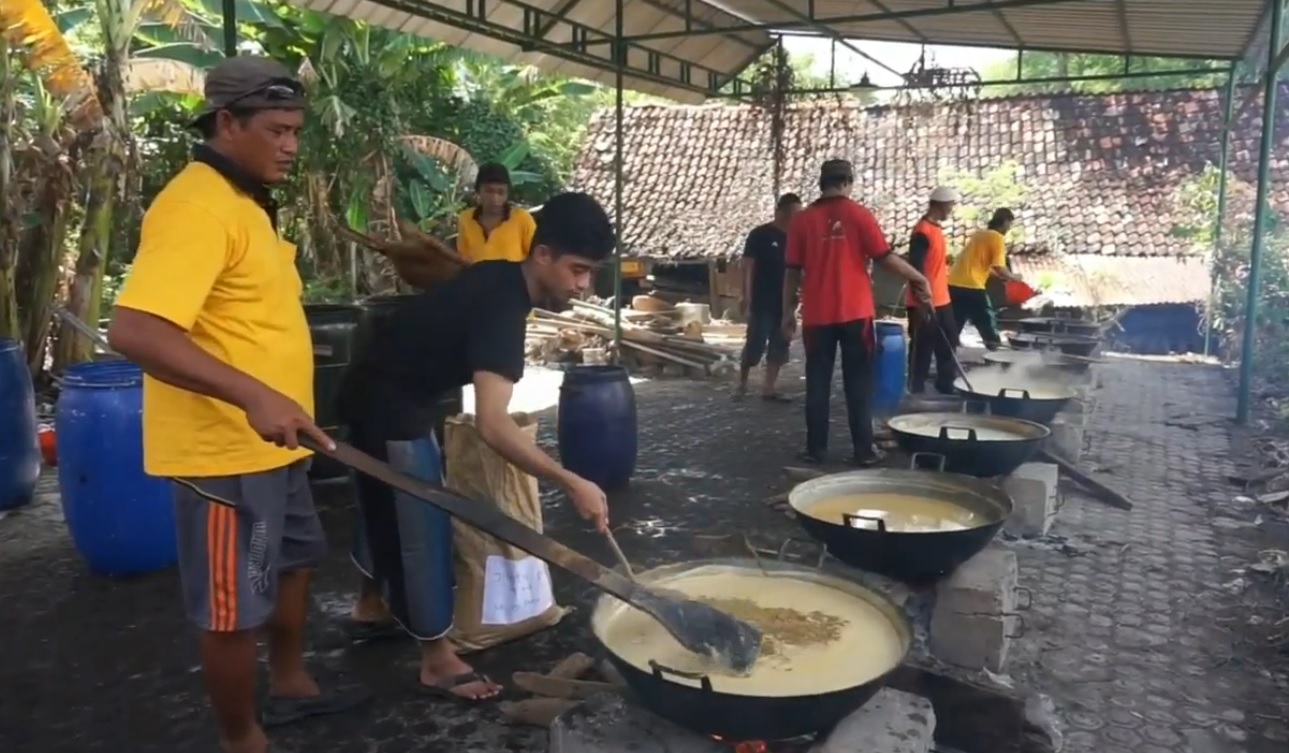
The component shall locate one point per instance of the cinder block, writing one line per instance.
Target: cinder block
(972, 642)
(892, 722)
(1033, 488)
(984, 584)
(1067, 437)
(974, 613)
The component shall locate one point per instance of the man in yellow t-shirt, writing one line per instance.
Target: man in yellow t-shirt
(984, 257)
(494, 229)
(211, 311)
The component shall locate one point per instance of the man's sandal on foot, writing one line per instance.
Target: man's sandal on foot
(446, 689)
(278, 711)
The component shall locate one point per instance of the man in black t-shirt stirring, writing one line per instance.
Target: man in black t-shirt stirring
(763, 299)
(469, 330)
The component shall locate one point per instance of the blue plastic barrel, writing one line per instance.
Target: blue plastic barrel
(121, 519)
(19, 443)
(892, 360)
(597, 424)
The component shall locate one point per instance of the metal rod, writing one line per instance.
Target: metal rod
(1261, 213)
(1220, 218)
(230, 28)
(619, 146)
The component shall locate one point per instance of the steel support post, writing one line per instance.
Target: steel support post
(1261, 212)
(1222, 166)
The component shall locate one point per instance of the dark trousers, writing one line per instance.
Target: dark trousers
(857, 345)
(932, 336)
(972, 305)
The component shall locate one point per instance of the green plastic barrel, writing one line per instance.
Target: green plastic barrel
(332, 327)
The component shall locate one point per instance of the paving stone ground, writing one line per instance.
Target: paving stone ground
(1134, 632)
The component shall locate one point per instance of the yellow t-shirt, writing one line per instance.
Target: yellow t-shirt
(509, 241)
(211, 262)
(984, 251)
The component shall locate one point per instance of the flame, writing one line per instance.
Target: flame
(748, 746)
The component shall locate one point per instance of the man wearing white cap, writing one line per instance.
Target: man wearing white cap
(928, 253)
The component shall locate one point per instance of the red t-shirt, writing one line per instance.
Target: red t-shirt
(831, 242)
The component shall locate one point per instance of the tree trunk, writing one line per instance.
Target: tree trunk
(84, 298)
(40, 263)
(10, 200)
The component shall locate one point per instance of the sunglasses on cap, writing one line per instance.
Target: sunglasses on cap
(278, 90)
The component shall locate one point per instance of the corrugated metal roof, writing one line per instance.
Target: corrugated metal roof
(689, 60)
(508, 29)
(1165, 28)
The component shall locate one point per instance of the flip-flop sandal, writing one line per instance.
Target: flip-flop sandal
(362, 631)
(776, 397)
(809, 458)
(868, 461)
(279, 711)
(443, 689)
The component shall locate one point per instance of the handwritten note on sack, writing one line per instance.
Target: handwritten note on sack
(515, 590)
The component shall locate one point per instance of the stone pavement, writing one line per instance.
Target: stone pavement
(1128, 631)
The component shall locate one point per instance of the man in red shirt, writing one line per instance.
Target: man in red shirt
(928, 253)
(830, 246)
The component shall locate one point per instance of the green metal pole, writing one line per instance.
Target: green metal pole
(619, 142)
(1261, 212)
(1222, 161)
(230, 28)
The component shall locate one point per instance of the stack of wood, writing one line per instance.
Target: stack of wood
(420, 259)
(652, 341)
(559, 690)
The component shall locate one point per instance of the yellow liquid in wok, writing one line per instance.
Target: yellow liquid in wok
(902, 513)
(864, 646)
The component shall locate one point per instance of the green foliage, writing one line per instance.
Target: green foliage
(1197, 202)
(982, 193)
(1051, 65)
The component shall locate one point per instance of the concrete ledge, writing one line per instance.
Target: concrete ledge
(892, 722)
(970, 623)
(1033, 489)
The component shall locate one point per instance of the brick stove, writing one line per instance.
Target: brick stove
(613, 724)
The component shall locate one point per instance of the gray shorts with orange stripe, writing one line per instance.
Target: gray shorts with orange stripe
(237, 534)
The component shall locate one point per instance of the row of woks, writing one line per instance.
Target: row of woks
(968, 451)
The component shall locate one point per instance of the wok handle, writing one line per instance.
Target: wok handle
(788, 542)
(660, 671)
(1024, 394)
(940, 460)
(853, 521)
(971, 433)
(983, 405)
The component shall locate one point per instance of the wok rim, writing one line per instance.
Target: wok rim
(1055, 337)
(606, 609)
(998, 500)
(960, 385)
(1043, 432)
(1004, 358)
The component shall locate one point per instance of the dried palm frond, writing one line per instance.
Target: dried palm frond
(159, 75)
(420, 260)
(450, 154)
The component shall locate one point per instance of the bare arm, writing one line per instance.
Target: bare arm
(1004, 273)
(166, 353)
(791, 291)
(749, 265)
(492, 394)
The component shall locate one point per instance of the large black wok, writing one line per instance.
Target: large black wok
(911, 557)
(1044, 359)
(1025, 400)
(1057, 325)
(688, 698)
(976, 445)
(1074, 345)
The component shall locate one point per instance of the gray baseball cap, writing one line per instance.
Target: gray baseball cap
(251, 82)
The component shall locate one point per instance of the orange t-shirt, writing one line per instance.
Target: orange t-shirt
(832, 242)
(935, 265)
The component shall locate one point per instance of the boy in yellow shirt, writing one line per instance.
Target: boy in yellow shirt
(494, 229)
(984, 257)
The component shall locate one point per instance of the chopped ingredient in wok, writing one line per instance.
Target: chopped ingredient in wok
(782, 627)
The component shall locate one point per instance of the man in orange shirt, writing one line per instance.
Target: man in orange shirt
(928, 253)
(830, 245)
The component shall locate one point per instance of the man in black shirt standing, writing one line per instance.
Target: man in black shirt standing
(763, 266)
(469, 330)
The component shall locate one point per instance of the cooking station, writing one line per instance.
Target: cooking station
(942, 584)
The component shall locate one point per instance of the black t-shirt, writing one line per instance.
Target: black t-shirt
(766, 246)
(435, 343)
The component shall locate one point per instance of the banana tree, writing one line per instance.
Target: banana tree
(97, 111)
